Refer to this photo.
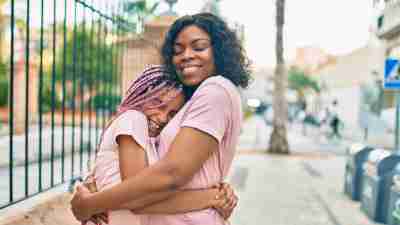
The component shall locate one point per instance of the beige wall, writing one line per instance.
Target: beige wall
(136, 56)
(144, 49)
(19, 100)
(344, 78)
(354, 69)
(52, 209)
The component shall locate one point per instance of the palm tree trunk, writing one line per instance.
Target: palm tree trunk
(278, 140)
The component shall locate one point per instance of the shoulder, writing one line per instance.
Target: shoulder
(131, 117)
(217, 86)
(219, 81)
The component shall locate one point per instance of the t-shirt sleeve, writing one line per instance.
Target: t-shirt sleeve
(134, 124)
(209, 111)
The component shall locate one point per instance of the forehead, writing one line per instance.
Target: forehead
(169, 93)
(191, 33)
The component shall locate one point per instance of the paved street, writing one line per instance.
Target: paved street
(255, 135)
(33, 176)
(33, 143)
(32, 182)
(304, 188)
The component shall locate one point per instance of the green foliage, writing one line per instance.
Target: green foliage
(138, 11)
(3, 85)
(88, 57)
(140, 7)
(299, 81)
(89, 62)
(104, 102)
(3, 92)
(47, 96)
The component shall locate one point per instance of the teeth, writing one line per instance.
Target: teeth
(153, 124)
(189, 69)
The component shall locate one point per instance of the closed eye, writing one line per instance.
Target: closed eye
(177, 49)
(171, 114)
(201, 44)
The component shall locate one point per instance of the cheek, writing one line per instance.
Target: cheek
(179, 102)
(150, 114)
(210, 63)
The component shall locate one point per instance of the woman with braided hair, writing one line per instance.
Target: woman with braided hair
(126, 147)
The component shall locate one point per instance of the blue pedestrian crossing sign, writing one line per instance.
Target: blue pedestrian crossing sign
(392, 74)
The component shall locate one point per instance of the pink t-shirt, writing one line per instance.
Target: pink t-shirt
(215, 109)
(106, 169)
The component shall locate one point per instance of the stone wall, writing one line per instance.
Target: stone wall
(144, 49)
(52, 209)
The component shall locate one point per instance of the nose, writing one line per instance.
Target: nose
(163, 118)
(187, 54)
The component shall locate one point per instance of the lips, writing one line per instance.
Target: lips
(189, 68)
(154, 127)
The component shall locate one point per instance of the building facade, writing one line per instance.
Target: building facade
(386, 26)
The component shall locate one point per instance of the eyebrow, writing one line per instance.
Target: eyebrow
(194, 41)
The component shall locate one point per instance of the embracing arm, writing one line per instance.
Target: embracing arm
(179, 202)
(132, 159)
(204, 126)
(175, 169)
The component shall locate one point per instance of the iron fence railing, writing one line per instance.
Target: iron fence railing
(59, 83)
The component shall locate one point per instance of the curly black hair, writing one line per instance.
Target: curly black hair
(229, 55)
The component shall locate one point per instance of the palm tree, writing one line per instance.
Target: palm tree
(301, 82)
(278, 140)
(139, 10)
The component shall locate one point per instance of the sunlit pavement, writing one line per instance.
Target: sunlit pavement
(304, 188)
(255, 135)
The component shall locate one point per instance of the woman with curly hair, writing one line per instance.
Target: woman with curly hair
(197, 147)
(126, 147)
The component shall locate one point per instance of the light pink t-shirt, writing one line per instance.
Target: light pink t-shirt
(215, 109)
(106, 169)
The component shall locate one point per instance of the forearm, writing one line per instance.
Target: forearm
(132, 160)
(133, 188)
(172, 171)
(181, 202)
(148, 200)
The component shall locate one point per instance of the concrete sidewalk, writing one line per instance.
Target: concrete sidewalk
(255, 135)
(303, 188)
(299, 189)
(46, 150)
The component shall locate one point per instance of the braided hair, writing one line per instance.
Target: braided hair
(145, 91)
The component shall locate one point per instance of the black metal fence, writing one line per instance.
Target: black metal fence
(60, 67)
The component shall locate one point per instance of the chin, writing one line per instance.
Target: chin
(191, 82)
(152, 134)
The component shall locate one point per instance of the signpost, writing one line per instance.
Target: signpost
(392, 81)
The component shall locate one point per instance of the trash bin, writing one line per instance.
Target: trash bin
(357, 154)
(377, 181)
(393, 215)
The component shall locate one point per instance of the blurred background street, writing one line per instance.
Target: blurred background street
(65, 64)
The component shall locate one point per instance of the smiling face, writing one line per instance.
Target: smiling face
(193, 56)
(159, 117)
